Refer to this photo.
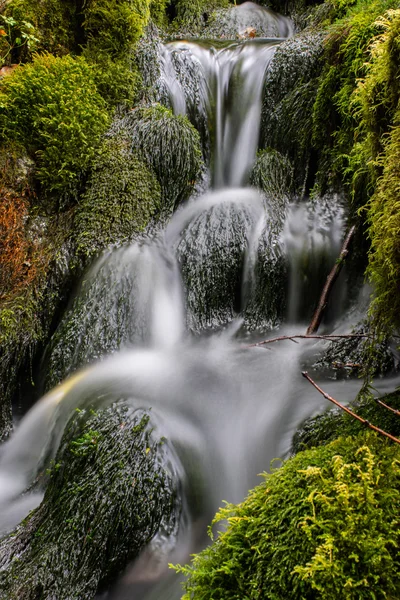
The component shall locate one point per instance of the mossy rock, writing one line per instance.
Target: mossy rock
(170, 146)
(193, 15)
(290, 90)
(122, 196)
(323, 526)
(273, 174)
(106, 497)
(324, 428)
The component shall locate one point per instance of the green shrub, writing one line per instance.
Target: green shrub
(323, 526)
(55, 23)
(170, 146)
(53, 108)
(121, 197)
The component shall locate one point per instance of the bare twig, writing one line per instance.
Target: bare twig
(292, 338)
(330, 280)
(348, 411)
(393, 410)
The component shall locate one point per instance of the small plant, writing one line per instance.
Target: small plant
(15, 35)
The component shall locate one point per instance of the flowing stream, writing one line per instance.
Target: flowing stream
(163, 322)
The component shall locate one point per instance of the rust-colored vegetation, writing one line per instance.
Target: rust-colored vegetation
(18, 254)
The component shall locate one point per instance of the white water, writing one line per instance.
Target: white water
(227, 409)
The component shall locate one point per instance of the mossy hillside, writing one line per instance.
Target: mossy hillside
(363, 68)
(121, 197)
(343, 122)
(325, 525)
(107, 495)
(169, 144)
(52, 107)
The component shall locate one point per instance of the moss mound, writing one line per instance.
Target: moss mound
(121, 197)
(107, 496)
(52, 107)
(325, 525)
(170, 146)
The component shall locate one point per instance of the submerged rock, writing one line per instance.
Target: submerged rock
(107, 495)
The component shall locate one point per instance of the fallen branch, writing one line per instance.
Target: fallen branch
(333, 275)
(393, 410)
(348, 411)
(293, 338)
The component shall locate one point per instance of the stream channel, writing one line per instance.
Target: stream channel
(170, 318)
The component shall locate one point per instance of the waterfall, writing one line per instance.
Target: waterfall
(166, 323)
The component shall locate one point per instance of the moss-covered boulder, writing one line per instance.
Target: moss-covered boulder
(52, 107)
(106, 497)
(122, 196)
(191, 16)
(323, 526)
(290, 90)
(170, 146)
(326, 427)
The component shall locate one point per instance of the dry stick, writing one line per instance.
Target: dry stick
(329, 338)
(393, 410)
(330, 280)
(350, 412)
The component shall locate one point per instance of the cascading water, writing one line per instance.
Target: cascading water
(227, 409)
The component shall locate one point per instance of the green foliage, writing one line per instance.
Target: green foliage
(170, 146)
(15, 36)
(53, 108)
(55, 23)
(324, 526)
(158, 12)
(122, 195)
(384, 227)
(112, 27)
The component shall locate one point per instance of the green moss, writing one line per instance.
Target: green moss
(112, 27)
(328, 426)
(170, 146)
(107, 495)
(324, 526)
(121, 197)
(193, 15)
(53, 108)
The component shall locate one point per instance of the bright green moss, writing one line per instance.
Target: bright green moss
(122, 195)
(112, 27)
(52, 107)
(323, 526)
